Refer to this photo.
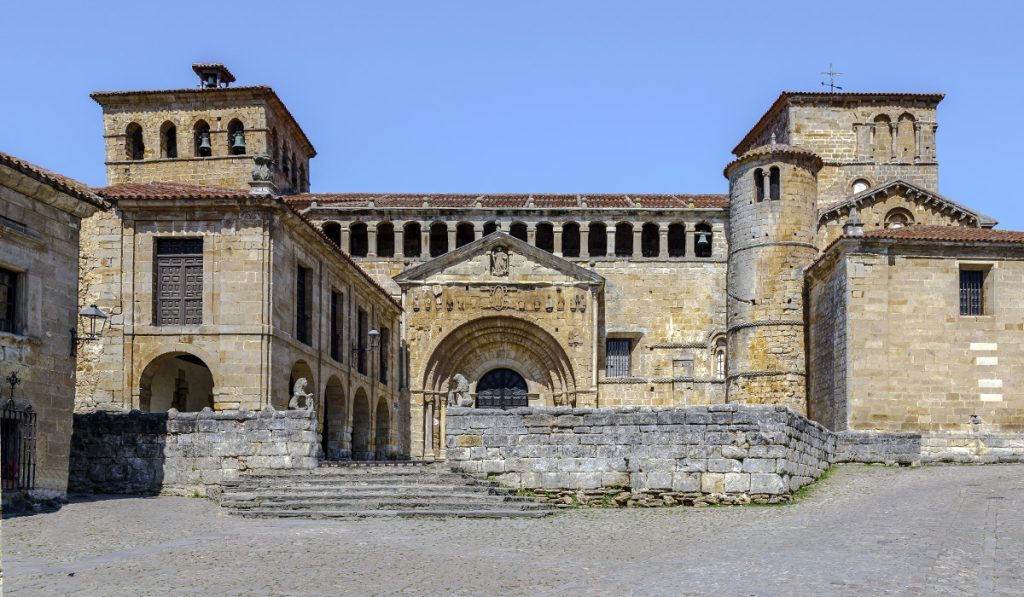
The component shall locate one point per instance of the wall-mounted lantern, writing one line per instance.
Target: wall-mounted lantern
(94, 317)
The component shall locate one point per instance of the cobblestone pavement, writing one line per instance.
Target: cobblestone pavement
(864, 530)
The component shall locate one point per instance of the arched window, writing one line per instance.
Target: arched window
(464, 234)
(571, 239)
(623, 239)
(704, 241)
(774, 183)
(295, 173)
(597, 240)
(898, 218)
(333, 232)
(490, 228)
(518, 230)
(438, 239)
(758, 185)
(649, 242)
(358, 242)
(676, 240)
(906, 140)
(236, 137)
(411, 239)
(719, 359)
(134, 146)
(385, 239)
(882, 139)
(860, 185)
(168, 140)
(546, 237)
(201, 134)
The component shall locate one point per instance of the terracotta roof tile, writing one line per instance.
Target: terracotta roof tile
(510, 201)
(165, 190)
(69, 186)
(956, 234)
(774, 149)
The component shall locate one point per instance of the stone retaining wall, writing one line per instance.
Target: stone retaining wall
(869, 447)
(972, 447)
(700, 454)
(185, 453)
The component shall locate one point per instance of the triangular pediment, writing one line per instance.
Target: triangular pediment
(498, 258)
(911, 192)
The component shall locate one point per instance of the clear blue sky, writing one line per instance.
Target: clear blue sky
(526, 96)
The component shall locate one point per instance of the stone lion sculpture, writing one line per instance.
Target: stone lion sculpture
(459, 394)
(299, 393)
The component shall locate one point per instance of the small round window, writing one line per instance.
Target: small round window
(860, 185)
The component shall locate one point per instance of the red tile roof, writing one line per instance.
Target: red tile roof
(775, 149)
(955, 234)
(59, 182)
(509, 201)
(166, 190)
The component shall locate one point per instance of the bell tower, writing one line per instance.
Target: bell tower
(212, 134)
(773, 219)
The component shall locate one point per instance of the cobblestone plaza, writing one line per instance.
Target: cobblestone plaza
(863, 530)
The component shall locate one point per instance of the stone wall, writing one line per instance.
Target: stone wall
(725, 453)
(878, 448)
(186, 453)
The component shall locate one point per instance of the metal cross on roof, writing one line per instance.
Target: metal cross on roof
(831, 74)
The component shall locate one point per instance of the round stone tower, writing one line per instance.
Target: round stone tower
(773, 219)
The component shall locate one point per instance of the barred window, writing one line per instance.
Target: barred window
(972, 288)
(617, 357)
(8, 300)
(179, 281)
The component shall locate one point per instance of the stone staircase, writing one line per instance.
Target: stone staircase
(403, 489)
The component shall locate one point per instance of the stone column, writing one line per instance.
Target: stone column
(425, 239)
(918, 140)
(766, 180)
(478, 230)
(451, 236)
(638, 236)
(893, 131)
(584, 240)
(663, 239)
(557, 228)
(691, 240)
(609, 230)
(345, 237)
(531, 234)
(371, 240)
(399, 228)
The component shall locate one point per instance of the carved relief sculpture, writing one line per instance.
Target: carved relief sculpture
(299, 393)
(499, 262)
(459, 394)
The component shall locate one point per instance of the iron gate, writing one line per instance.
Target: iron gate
(17, 446)
(502, 398)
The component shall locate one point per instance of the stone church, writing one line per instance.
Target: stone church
(833, 279)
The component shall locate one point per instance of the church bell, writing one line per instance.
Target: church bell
(204, 143)
(238, 143)
(702, 239)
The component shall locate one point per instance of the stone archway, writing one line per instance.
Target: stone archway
(361, 429)
(301, 370)
(176, 380)
(335, 431)
(482, 345)
(382, 437)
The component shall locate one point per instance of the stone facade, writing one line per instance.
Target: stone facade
(891, 352)
(186, 453)
(40, 215)
(694, 455)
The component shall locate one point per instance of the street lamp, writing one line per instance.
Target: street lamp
(94, 316)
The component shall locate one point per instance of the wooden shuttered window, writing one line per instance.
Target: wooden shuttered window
(617, 357)
(179, 281)
(304, 305)
(972, 283)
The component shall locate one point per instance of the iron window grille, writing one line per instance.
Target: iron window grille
(972, 292)
(618, 357)
(17, 447)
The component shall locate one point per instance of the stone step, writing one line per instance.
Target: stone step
(383, 503)
(431, 513)
(432, 478)
(342, 492)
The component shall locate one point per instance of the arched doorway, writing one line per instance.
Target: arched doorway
(334, 435)
(176, 380)
(382, 439)
(501, 388)
(361, 427)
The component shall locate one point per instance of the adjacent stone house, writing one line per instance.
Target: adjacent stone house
(40, 215)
